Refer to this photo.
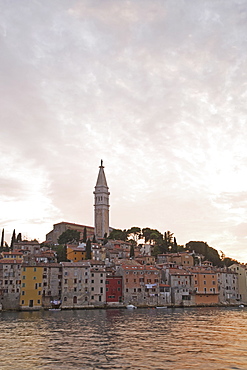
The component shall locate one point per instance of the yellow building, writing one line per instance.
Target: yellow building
(31, 287)
(76, 253)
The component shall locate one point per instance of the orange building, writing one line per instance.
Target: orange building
(205, 286)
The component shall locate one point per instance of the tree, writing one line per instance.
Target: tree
(13, 240)
(84, 239)
(19, 238)
(69, 236)
(118, 234)
(134, 233)
(2, 239)
(132, 251)
(209, 253)
(88, 250)
(61, 252)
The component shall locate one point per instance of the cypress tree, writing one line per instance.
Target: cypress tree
(13, 240)
(84, 239)
(88, 250)
(2, 239)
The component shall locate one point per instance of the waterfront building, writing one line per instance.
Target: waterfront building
(181, 283)
(31, 287)
(51, 283)
(101, 205)
(10, 283)
(98, 283)
(76, 284)
(206, 288)
(114, 294)
(140, 283)
(228, 286)
(242, 281)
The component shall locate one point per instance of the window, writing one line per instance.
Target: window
(38, 301)
(101, 290)
(22, 293)
(101, 281)
(75, 281)
(92, 288)
(34, 269)
(119, 281)
(107, 281)
(23, 285)
(22, 302)
(92, 281)
(23, 277)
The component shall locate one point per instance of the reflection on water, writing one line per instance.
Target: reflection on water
(202, 338)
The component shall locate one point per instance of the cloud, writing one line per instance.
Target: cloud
(156, 89)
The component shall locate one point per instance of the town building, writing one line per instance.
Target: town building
(114, 294)
(61, 227)
(76, 284)
(140, 283)
(241, 271)
(228, 286)
(31, 287)
(10, 283)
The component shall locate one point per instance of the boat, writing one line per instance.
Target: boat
(241, 306)
(158, 307)
(131, 307)
(55, 305)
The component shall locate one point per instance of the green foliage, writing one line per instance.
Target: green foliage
(156, 250)
(209, 253)
(69, 236)
(152, 235)
(132, 251)
(2, 239)
(13, 240)
(229, 261)
(84, 239)
(88, 250)
(19, 238)
(61, 251)
(118, 234)
(134, 233)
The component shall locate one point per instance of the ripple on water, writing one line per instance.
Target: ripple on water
(120, 339)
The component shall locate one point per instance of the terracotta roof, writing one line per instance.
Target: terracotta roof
(11, 261)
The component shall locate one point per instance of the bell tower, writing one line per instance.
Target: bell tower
(101, 205)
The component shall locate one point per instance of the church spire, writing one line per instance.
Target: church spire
(101, 181)
(101, 205)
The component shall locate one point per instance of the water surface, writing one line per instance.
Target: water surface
(201, 338)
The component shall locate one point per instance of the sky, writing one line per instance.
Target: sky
(156, 89)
